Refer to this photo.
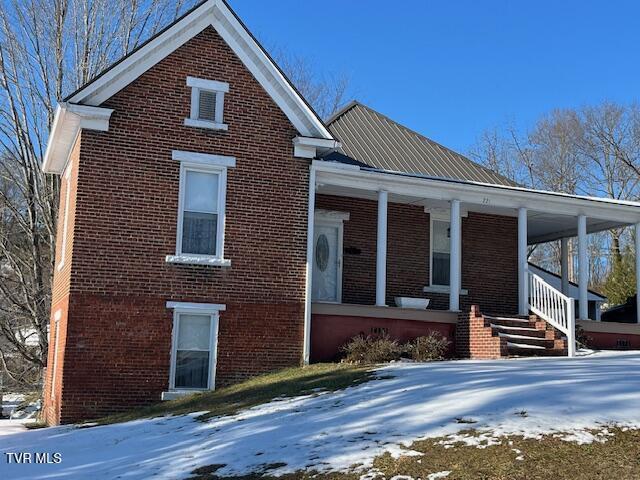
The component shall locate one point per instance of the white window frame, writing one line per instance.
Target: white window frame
(440, 216)
(185, 308)
(219, 88)
(206, 163)
(65, 221)
(56, 318)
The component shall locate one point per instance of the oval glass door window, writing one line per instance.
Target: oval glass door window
(322, 252)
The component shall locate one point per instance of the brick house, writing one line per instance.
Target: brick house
(213, 228)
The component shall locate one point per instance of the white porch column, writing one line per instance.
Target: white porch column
(454, 259)
(583, 268)
(381, 254)
(311, 208)
(564, 264)
(638, 272)
(523, 288)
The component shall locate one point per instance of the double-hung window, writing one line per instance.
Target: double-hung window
(207, 103)
(440, 252)
(194, 346)
(201, 208)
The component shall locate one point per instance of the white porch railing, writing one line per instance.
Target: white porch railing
(554, 307)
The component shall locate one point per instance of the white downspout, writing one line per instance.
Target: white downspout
(311, 207)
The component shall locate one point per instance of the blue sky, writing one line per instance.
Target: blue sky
(451, 69)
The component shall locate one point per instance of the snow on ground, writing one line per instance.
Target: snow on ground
(332, 431)
(13, 419)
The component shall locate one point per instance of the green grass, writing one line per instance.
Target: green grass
(548, 458)
(229, 400)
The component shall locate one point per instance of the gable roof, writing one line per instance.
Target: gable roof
(374, 139)
(215, 13)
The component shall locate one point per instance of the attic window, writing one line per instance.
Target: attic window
(207, 103)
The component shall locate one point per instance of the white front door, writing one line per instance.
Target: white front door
(327, 262)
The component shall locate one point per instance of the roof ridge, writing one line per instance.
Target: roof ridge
(422, 137)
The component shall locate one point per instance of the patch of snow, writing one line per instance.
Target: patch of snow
(333, 431)
(437, 475)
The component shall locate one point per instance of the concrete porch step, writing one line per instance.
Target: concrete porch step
(541, 342)
(511, 322)
(526, 331)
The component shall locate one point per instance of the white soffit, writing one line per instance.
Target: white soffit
(217, 14)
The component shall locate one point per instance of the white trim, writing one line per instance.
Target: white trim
(455, 242)
(326, 219)
(69, 120)
(203, 158)
(306, 346)
(212, 310)
(65, 221)
(381, 249)
(331, 215)
(198, 260)
(583, 269)
(435, 288)
(202, 164)
(204, 84)
(217, 14)
(523, 263)
(197, 123)
(624, 212)
(199, 307)
(442, 289)
(219, 89)
(309, 147)
(56, 318)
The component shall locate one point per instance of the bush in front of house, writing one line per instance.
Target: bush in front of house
(381, 348)
(372, 349)
(428, 348)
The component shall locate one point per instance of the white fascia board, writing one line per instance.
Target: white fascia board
(213, 13)
(68, 122)
(310, 147)
(197, 307)
(624, 212)
(203, 158)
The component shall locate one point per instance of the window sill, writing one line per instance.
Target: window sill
(442, 289)
(198, 260)
(175, 394)
(193, 122)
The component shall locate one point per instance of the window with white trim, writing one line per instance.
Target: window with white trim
(440, 252)
(207, 103)
(201, 208)
(65, 221)
(194, 346)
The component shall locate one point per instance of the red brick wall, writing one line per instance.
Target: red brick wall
(489, 256)
(119, 330)
(609, 341)
(330, 332)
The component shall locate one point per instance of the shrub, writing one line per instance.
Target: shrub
(431, 347)
(372, 349)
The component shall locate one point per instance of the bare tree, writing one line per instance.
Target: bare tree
(47, 48)
(593, 150)
(325, 93)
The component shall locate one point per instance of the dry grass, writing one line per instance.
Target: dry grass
(545, 459)
(229, 400)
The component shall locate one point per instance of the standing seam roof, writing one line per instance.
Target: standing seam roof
(374, 139)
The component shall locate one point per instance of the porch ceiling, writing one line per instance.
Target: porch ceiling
(542, 226)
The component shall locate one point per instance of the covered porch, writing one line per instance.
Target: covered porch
(386, 239)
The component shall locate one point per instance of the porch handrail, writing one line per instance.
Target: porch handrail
(554, 307)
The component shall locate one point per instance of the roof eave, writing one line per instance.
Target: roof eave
(68, 121)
